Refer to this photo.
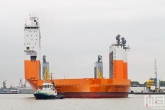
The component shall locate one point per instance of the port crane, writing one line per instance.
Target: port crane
(4, 84)
(22, 85)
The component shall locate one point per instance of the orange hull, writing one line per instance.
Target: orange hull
(32, 69)
(88, 87)
(125, 71)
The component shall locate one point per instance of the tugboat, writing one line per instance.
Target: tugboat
(47, 92)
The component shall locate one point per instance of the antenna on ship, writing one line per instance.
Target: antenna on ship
(123, 43)
(51, 77)
(118, 39)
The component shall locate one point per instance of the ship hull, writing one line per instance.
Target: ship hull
(47, 96)
(44, 96)
(96, 94)
(88, 87)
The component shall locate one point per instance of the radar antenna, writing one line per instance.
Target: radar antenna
(123, 43)
(99, 59)
(44, 59)
(118, 40)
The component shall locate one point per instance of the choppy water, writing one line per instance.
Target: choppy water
(28, 102)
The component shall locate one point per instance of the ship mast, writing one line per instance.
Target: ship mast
(155, 76)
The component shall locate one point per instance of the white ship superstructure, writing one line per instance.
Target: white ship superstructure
(32, 48)
(118, 67)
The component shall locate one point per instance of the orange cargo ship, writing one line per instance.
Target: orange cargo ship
(117, 85)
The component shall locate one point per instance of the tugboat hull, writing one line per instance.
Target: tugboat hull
(44, 96)
(47, 96)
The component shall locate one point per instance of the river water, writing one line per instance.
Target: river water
(28, 102)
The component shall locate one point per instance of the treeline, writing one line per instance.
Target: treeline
(137, 83)
(162, 82)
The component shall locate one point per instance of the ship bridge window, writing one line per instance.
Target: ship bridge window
(27, 48)
(27, 27)
(31, 27)
(35, 27)
(46, 86)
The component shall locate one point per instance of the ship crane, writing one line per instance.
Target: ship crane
(20, 83)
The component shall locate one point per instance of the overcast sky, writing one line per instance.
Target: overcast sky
(75, 32)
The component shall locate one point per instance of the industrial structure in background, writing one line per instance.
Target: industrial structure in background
(98, 68)
(4, 84)
(21, 84)
(153, 84)
(4, 89)
(21, 89)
